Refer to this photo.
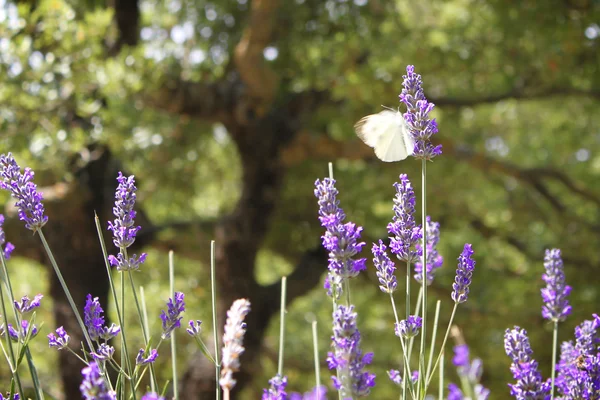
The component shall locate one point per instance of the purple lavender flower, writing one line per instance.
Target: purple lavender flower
(141, 359)
(347, 357)
(408, 328)
(233, 338)
(21, 334)
(9, 247)
(385, 268)
(464, 273)
(396, 376)
(556, 306)
(126, 264)
(454, 392)
(417, 118)
(194, 329)
(461, 359)
(529, 383)
(341, 240)
(103, 353)
(406, 232)
(434, 259)
(481, 393)
(93, 319)
(26, 305)
(172, 318)
(123, 230)
(276, 391)
(60, 340)
(22, 188)
(93, 386)
(16, 396)
(317, 393)
(152, 396)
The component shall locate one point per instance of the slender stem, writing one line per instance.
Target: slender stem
(441, 382)
(407, 289)
(406, 370)
(282, 325)
(123, 355)
(433, 336)
(424, 264)
(443, 343)
(316, 356)
(554, 345)
(417, 313)
(113, 291)
(153, 383)
(66, 290)
(213, 290)
(39, 393)
(13, 365)
(173, 342)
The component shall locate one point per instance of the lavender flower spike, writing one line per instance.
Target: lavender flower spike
(406, 233)
(341, 240)
(385, 268)
(347, 358)
(408, 328)
(235, 328)
(276, 390)
(93, 386)
(103, 353)
(195, 328)
(464, 273)
(529, 383)
(172, 318)
(434, 259)
(556, 306)
(8, 249)
(22, 188)
(141, 359)
(60, 340)
(417, 118)
(93, 319)
(26, 305)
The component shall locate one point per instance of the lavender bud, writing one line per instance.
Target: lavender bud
(235, 328)
(60, 340)
(556, 306)
(464, 273)
(172, 318)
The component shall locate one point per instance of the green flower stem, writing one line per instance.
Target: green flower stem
(434, 333)
(213, 293)
(13, 365)
(424, 263)
(554, 346)
(115, 298)
(173, 342)
(316, 357)
(441, 381)
(406, 370)
(146, 329)
(282, 325)
(443, 344)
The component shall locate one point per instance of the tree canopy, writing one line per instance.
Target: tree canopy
(227, 112)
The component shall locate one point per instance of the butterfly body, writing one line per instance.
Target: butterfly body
(388, 134)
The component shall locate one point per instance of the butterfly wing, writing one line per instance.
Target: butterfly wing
(386, 132)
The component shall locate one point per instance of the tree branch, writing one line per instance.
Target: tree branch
(261, 80)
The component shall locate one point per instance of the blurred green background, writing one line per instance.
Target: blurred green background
(195, 96)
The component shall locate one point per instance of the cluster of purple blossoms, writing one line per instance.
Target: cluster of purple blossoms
(172, 318)
(16, 396)
(434, 259)
(464, 273)
(276, 390)
(27, 305)
(317, 393)
(347, 357)
(194, 329)
(26, 330)
(22, 188)
(103, 352)
(142, 359)
(123, 227)
(385, 268)
(396, 376)
(406, 233)
(417, 115)
(342, 240)
(93, 386)
(233, 338)
(408, 328)
(152, 396)
(579, 367)
(529, 385)
(556, 306)
(470, 371)
(93, 319)
(9, 247)
(60, 340)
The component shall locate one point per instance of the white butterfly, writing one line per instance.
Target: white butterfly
(388, 133)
